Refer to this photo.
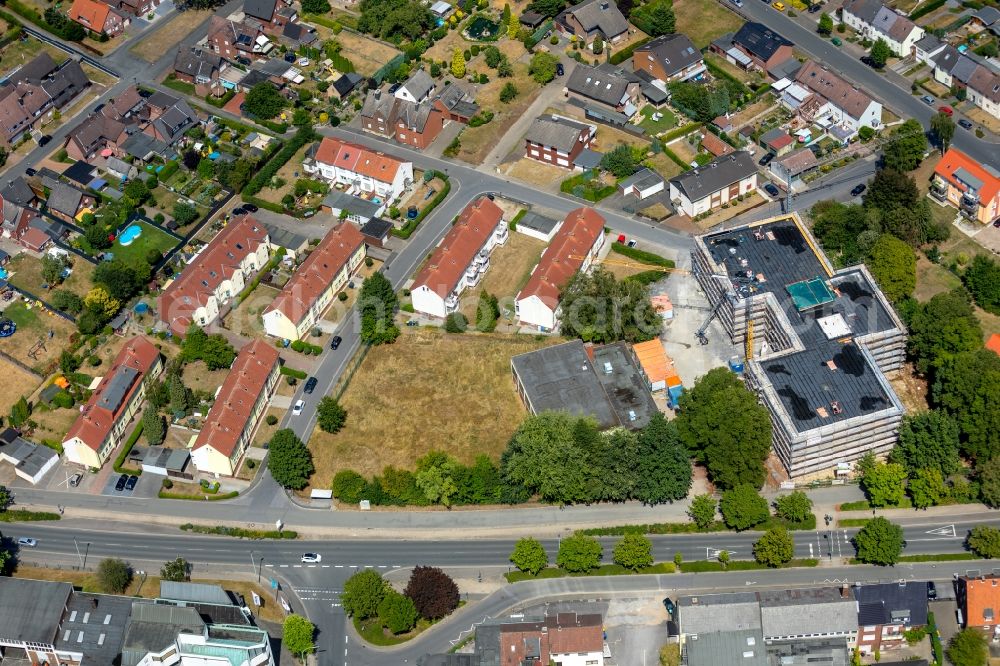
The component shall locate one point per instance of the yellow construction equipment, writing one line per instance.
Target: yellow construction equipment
(749, 339)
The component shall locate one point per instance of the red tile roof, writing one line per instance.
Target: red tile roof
(90, 13)
(446, 266)
(135, 359)
(34, 239)
(316, 273)
(781, 141)
(715, 145)
(234, 404)
(565, 633)
(219, 261)
(981, 594)
(564, 255)
(358, 159)
(955, 159)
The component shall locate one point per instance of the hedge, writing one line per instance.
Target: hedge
(411, 225)
(280, 159)
(220, 102)
(292, 372)
(123, 456)
(619, 57)
(169, 169)
(205, 496)
(603, 570)
(25, 516)
(646, 278)
(304, 347)
(641, 255)
(935, 639)
(240, 532)
(678, 132)
(702, 566)
(517, 218)
(271, 264)
(926, 9)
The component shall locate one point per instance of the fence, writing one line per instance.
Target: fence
(388, 67)
(543, 30)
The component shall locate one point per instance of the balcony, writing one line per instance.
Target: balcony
(451, 303)
(501, 235)
(939, 190)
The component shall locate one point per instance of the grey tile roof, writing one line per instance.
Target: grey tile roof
(866, 10)
(64, 199)
(339, 200)
(807, 611)
(555, 132)
(30, 610)
(602, 15)
(262, 9)
(643, 178)
(538, 222)
(18, 192)
(947, 59)
(714, 176)
(419, 84)
(347, 82)
(673, 52)
(597, 85)
(95, 626)
(987, 15)
(184, 591)
(196, 62)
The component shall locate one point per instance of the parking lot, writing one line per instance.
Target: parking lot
(146, 485)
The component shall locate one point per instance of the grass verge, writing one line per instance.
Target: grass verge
(692, 528)
(25, 516)
(240, 532)
(371, 631)
(163, 494)
(603, 570)
(741, 565)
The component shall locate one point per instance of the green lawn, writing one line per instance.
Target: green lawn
(151, 238)
(654, 127)
(21, 315)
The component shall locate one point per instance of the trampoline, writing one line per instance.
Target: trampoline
(132, 232)
(7, 328)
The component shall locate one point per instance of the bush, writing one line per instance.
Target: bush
(456, 323)
(271, 420)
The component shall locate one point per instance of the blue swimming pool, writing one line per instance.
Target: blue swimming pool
(376, 200)
(130, 234)
(3, 273)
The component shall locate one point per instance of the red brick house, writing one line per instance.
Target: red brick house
(669, 58)
(557, 140)
(412, 124)
(98, 17)
(754, 46)
(134, 8)
(233, 40)
(94, 135)
(272, 14)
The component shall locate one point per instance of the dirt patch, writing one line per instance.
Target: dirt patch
(367, 54)
(911, 388)
(419, 196)
(164, 39)
(245, 319)
(478, 141)
(536, 173)
(17, 383)
(510, 267)
(36, 325)
(608, 137)
(983, 117)
(448, 392)
(290, 172)
(265, 431)
(198, 377)
(704, 21)
(53, 424)
(664, 166)
(933, 279)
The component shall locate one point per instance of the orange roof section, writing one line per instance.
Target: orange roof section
(564, 256)
(446, 266)
(981, 595)
(94, 14)
(655, 363)
(993, 344)
(356, 158)
(955, 159)
(234, 405)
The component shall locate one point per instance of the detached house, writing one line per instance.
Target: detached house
(617, 92)
(239, 406)
(979, 603)
(873, 20)
(591, 19)
(755, 46)
(104, 421)
(66, 202)
(573, 248)
(461, 260)
(273, 15)
(361, 170)
(557, 140)
(823, 97)
(98, 17)
(311, 290)
(711, 185)
(971, 187)
(233, 40)
(96, 133)
(669, 58)
(199, 67)
(33, 92)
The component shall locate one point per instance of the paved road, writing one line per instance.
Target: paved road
(879, 86)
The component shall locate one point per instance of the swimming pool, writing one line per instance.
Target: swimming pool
(376, 200)
(3, 273)
(130, 234)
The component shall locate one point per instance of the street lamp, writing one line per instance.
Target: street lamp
(259, 565)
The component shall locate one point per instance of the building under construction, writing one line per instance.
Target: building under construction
(818, 342)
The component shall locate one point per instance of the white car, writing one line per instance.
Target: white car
(27, 541)
(312, 558)
(297, 408)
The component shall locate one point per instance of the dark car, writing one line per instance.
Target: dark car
(772, 190)
(858, 189)
(289, 57)
(931, 590)
(122, 480)
(866, 59)
(244, 61)
(335, 341)
(310, 385)
(130, 484)
(669, 605)
(996, 223)
(764, 161)
(44, 141)
(250, 208)
(239, 211)
(559, 69)
(815, 8)
(965, 123)
(30, 172)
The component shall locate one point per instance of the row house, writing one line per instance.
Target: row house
(755, 46)
(99, 17)
(557, 140)
(965, 71)
(31, 94)
(573, 249)
(592, 19)
(461, 260)
(417, 88)
(95, 134)
(412, 123)
(103, 421)
(611, 90)
(707, 187)
(823, 97)
(216, 275)
(237, 411)
(129, 107)
(243, 41)
(67, 202)
(669, 58)
(361, 170)
(21, 220)
(874, 20)
(971, 187)
(978, 599)
(886, 611)
(273, 15)
(311, 290)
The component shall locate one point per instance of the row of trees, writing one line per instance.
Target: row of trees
(743, 508)
(580, 553)
(430, 594)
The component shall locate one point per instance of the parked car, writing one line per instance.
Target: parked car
(928, 100)
(239, 211)
(780, 6)
(965, 123)
(30, 172)
(996, 223)
(27, 541)
(335, 341)
(815, 8)
(44, 141)
(312, 558)
(559, 69)
(867, 59)
(669, 605)
(122, 480)
(75, 480)
(858, 189)
(297, 407)
(737, 3)
(243, 60)
(836, 41)
(631, 243)
(250, 208)
(946, 110)
(130, 484)
(931, 590)
(772, 190)
(764, 161)
(310, 385)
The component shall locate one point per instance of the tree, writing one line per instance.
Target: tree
(982, 279)
(795, 507)
(456, 322)
(6, 498)
(838, 226)
(825, 26)
(297, 635)
(113, 575)
(184, 213)
(264, 101)
(984, 541)
(66, 301)
(943, 128)
(487, 312)
(634, 551)
(378, 304)
(742, 507)
(433, 592)
(967, 386)
(508, 93)
(397, 612)
(866, 133)
(506, 16)
(180, 395)
(884, 483)
(395, 20)
(579, 553)
(702, 510)
(879, 542)
(136, 192)
(543, 67)
(598, 45)
(968, 648)
(458, 64)
(330, 415)
(620, 161)
(153, 427)
(907, 149)
(547, 8)
(894, 266)
(775, 548)
(362, 594)
(52, 269)
(20, 412)
(880, 53)
(118, 278)
(215, 350)
(315, 6)
(348, 486)
(177, 570)
(290, 461)
(942, 327)
(504, 69)
(529, 556)
(927, 440)
(191, 159)
(101, 303)
(206, 169)
(436, 477)
(543, 457)
(989, 482)
(722, 424)
(927, 487)
(68, 362)
(655, 18)
(600, 308)
(664, 473)
(97, 237)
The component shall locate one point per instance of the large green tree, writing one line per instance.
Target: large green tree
(579, 553)
(742, 507)
(620, 161)
(968, 648)
(943, 128)
(664, 472)
(599, 308)
(982, 278)
(927, 440)
(289, 460)
(153, 427)
(529, 556)
(362, 594)
(988, 473)
(907, 149)
(378, 304)
(394, 20)
(634, 551)
(297, 635)
(397, 612)
(214, 350)
(880, 52)
(330, 415)
(543, 67)
(121, 280)
(794, 507)
(894, 266)
(702, 510)
(264, 101)
(984, 541)
(926, 488)
(967, 386)
(884, 483)
(879, 542)
(113, 575)
(838, 227)
(942, 327)
(176, 569)
(655, 18)
(543, 456)
(723, 425)
(774, 548)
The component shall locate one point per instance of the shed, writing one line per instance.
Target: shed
(376, 231)
(165, 462)
(538, 226)
(532, 19)
(643, 184)
(656, 366)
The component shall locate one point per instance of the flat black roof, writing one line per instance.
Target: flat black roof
(537, 222)
(776, 255)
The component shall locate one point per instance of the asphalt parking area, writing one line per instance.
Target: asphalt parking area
(111, 490)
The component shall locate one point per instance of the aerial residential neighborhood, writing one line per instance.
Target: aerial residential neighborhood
(500, 332)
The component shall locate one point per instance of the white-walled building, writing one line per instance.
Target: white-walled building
(824, 98)
(360, 170)
(873, 20)
(461, 260)
(573, 249)
(720, 181)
